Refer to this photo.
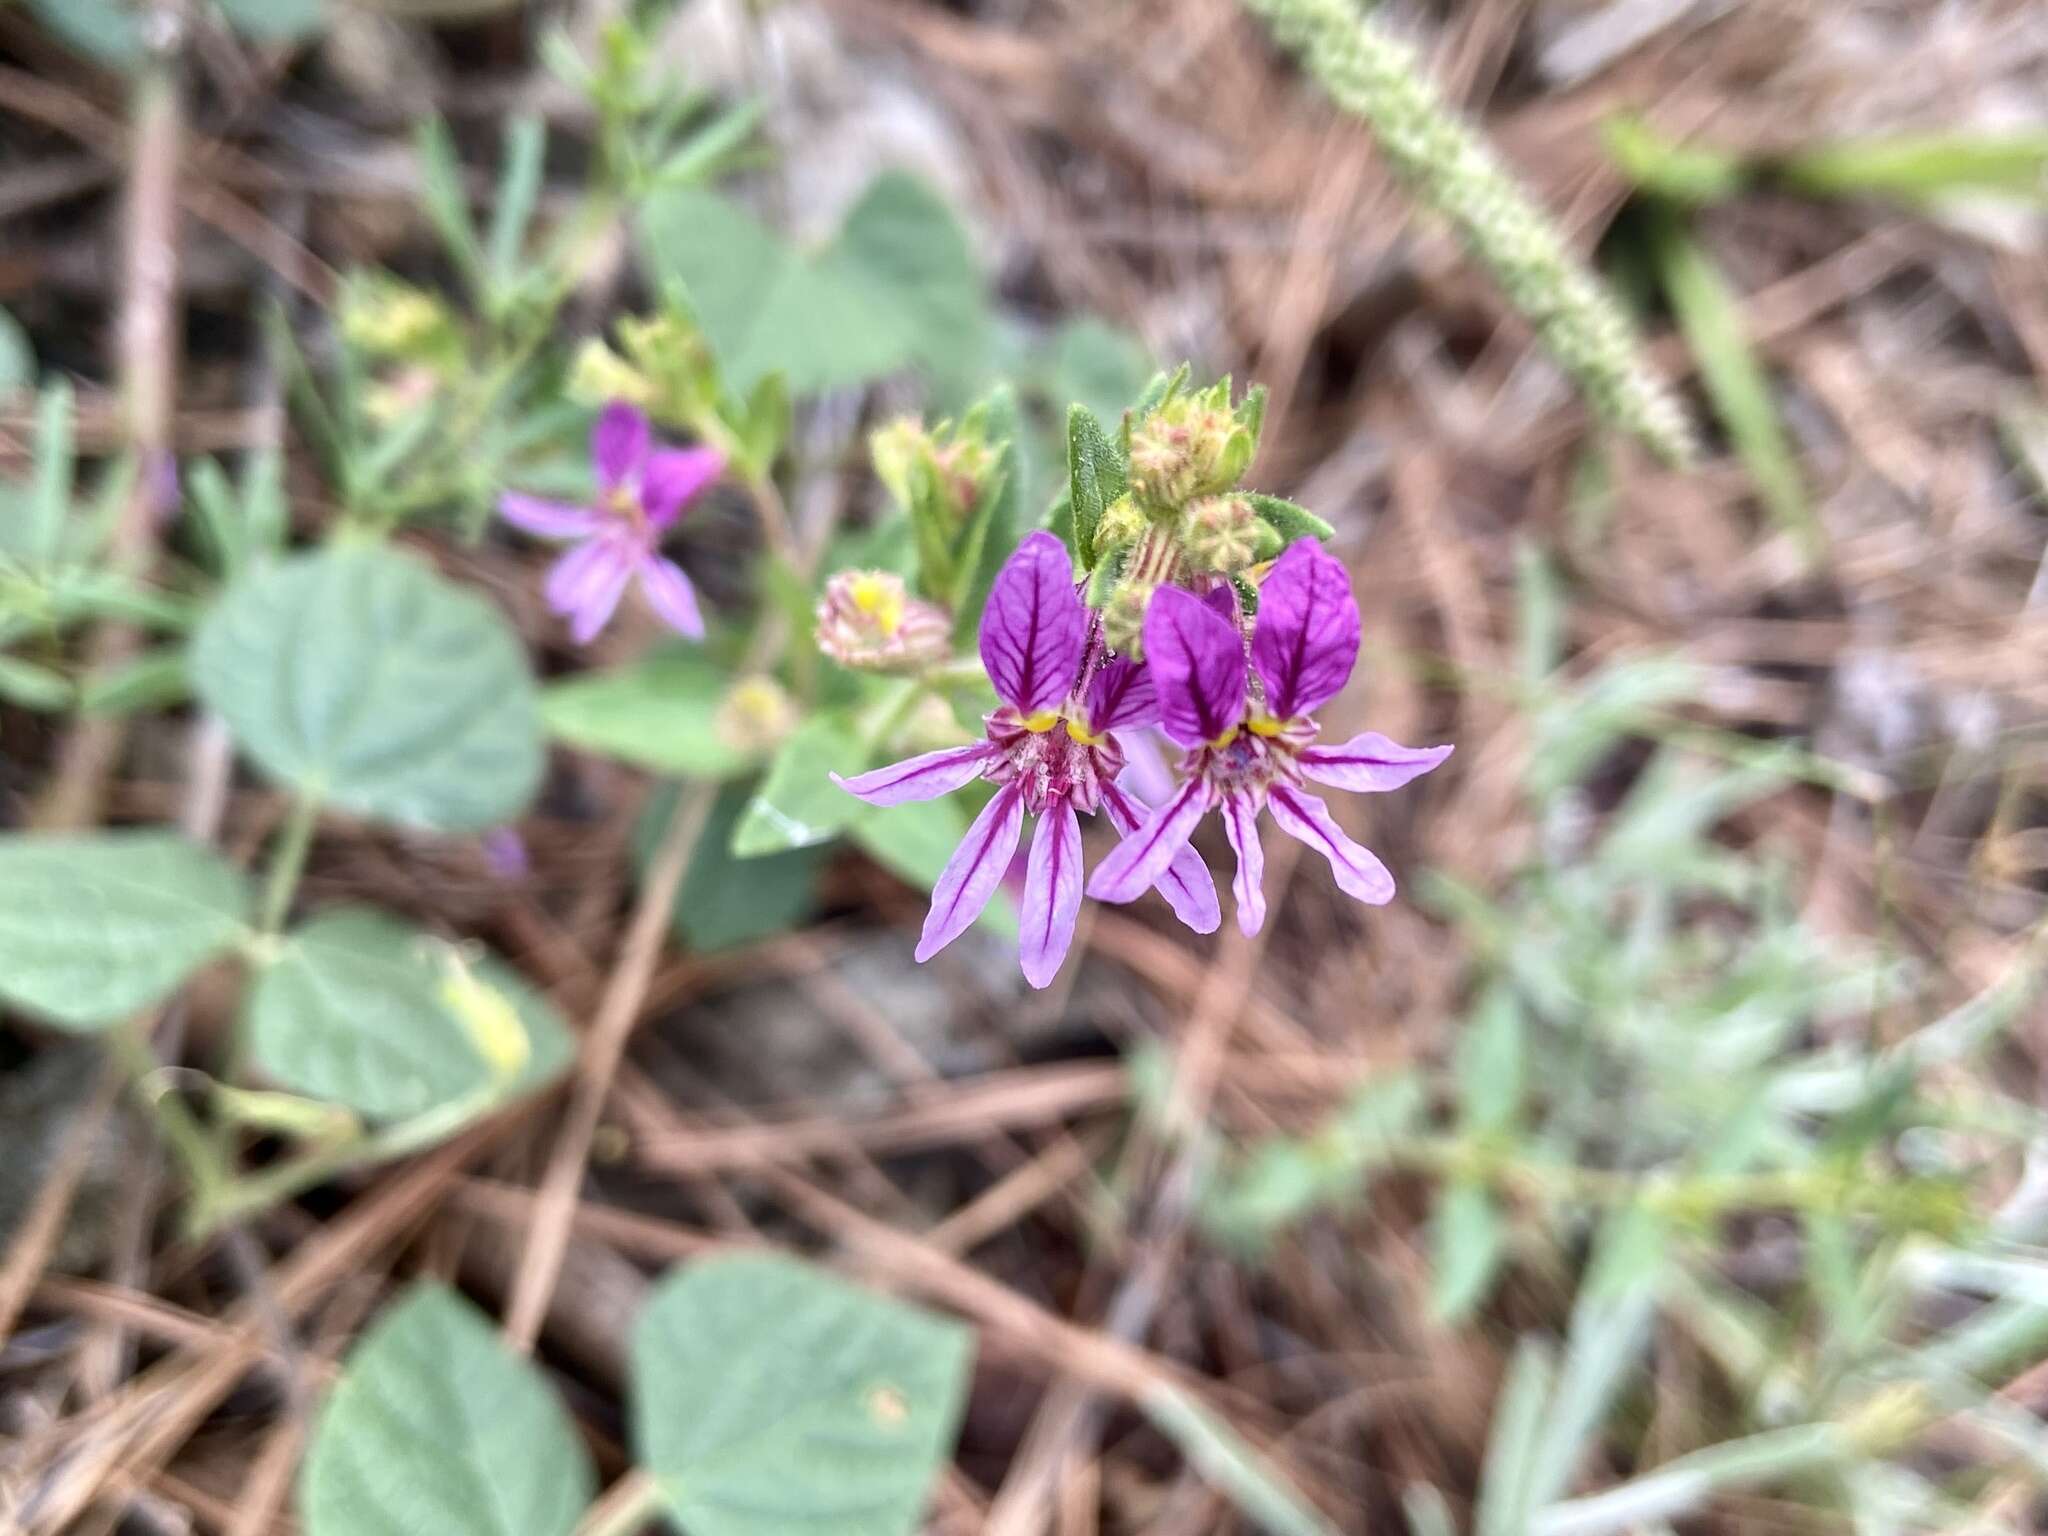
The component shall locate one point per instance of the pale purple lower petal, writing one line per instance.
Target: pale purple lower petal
(1135, 864)
(670, 595)
(1241, 826)
(1308, 821)
(675, 477)
(1052, 894)
(1146, 774)
(568, 576)
(973, 873)
(918, 778)
(546, 519)
(1370, 762)
(587, 583)
(1186, 884)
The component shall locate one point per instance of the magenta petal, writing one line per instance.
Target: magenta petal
(973, 873)
(618, 444)
(918, 778)
(1052, 894)
(1135, 864)
(598, 598)
(675, 477)
(1120, 697)
(1307, 820)
(1186, 884)
(547, 519)
(1197, 666)
(1306, 640)
(1370, 762)
(1035, 627)
(1241, 826)
(670, 595)
(569, 576)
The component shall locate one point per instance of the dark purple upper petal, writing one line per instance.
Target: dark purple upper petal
(675, 477)
(1197, 667)
(1120, 697)
(1035, 627)
(619, 443)
(1306, 640)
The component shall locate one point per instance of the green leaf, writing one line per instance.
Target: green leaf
(660, 714)
(281, 21)
(436, 1426)
(104, 29)
(764, 306)
(1685, 173)
(358, 676)
(361, 1010)
(1918, 167)
(726, 901)
(1468, 1241)
(913, 842)
(1289, 521)
(1711, 318)
(1096, 476)
(94, 929)
(17, 359)
(1491, 1052)
(897, 286)
(154, 680)
(998, 518)
(770, 1397)
(33, 687)
(49, 502)
(798, 805)
(526, 150)
(447, 202)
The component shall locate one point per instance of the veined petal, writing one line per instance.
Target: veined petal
(918, 778)
(1370, 762)
(1120, 697)
(973, 873)
(1135, 864)
(675, 477)
(1197, 666)
(1035, 626)
(546, 519)
(618, 444)
(1305, 642)
(1052, 894)
(1241, 826)
(1307, 820)
(1186, 884)
(671, 596)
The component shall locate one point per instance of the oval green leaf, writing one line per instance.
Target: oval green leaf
(94, 929)
(364, 1011)
(360, 677)
(770, 1397)
(435, 1426)
(660, 714)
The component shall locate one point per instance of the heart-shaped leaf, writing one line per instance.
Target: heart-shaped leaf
(363, 1011)
(660, 714)
(358, 676)
(436, 1426)
(770, 1397)
(92, 929)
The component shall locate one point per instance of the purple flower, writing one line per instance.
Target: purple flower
(641, 491)
(1052, 750)
(1250, 740)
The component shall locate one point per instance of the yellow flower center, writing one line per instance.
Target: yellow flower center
(1266, 725)
(1042, 722)
(881, 600)
(1082, 735)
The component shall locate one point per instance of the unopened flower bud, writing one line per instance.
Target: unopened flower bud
(869, 620)
(1123, 617)
(599, 376)
(1188, 447)
(757, 716)
(1222, 533)
(1122, 523)
(387, 318)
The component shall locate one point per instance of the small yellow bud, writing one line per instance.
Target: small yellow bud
(756, 716)
(869, 620)
(599, 376)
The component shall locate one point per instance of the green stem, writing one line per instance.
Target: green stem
(288, 861)
(180, 1129)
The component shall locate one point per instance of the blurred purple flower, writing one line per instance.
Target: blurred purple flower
(1245, 753)
(505, 853)
(1052, 750)
(642, 490)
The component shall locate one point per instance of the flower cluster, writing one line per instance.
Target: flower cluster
(1242, 709)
